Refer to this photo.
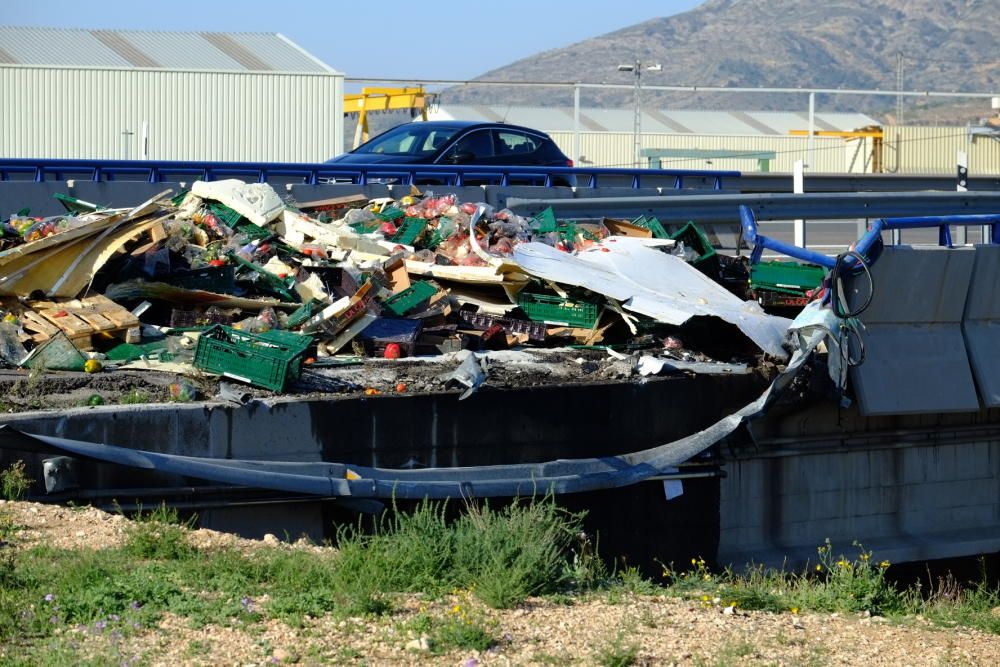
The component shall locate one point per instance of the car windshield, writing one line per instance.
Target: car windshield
(410, 139)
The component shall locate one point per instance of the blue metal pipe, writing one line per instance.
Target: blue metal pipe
(864, 245)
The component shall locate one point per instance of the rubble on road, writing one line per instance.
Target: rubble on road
(227, 279)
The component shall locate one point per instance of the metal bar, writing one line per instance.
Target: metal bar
(687, 89)
(781, 206)
(782, 182)
(361, 174)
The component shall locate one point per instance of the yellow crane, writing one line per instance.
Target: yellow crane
(383, 99)
(873, 132)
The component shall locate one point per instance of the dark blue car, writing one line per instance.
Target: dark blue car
(456, 142)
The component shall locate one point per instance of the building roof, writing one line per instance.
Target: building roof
(132, 49)
(560, 119)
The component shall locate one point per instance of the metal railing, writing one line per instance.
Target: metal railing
(156, 171)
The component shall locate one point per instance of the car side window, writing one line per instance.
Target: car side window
(478, 143)
(435, 139)
(510, 142)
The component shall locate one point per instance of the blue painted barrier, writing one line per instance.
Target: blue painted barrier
(155, 171)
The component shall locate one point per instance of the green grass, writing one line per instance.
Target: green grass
(136, 396)
(480, 556)
(617, 651)
(461, 627)
(837, 584)
(14, 482)
(504, 555)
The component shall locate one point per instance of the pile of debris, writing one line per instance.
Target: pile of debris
(228, 279)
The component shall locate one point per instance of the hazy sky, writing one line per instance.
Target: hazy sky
(433, 39)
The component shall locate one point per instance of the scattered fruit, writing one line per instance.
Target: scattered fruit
(92, 366)
(392, 351)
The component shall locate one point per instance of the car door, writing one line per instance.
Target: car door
(517, 148)
(475, 147)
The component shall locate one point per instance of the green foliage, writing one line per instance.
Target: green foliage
(838, 584)
(135, 396)
(463, 626)
(159, 534)
(14, 482)
(628, 582)
(951, 604)
(503, 555)
(617, 652)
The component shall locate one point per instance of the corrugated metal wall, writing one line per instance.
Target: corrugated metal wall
(933, 150)
(223, 116)
(615, 149)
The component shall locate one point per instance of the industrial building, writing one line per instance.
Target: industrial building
(124, 94)
(749, 141)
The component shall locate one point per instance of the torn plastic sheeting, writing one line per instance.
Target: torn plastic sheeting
(331, 479)
(257, 202)
(653, 283)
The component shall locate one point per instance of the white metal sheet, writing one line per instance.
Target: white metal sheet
(653, 283)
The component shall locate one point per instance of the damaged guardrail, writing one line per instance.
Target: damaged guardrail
(363, 482)
(868, 245)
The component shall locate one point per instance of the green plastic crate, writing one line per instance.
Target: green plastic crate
(389, 214)
(546, 221)
(303, 313)
(653, 225)
(557, 310)
(284, 289)
(692, 237)
(404, 302)
(253, 232)
(409, 231)
(786, 277)
(265, 360)
(226, 215)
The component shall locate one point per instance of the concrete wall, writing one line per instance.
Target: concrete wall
(925, 493)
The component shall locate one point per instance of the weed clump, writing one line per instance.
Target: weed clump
(159, 535)
(14, 482)
(503, 555)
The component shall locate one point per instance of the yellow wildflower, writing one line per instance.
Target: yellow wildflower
(795, 610)
(884, 564)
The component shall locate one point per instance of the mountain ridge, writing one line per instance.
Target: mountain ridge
(946, 45)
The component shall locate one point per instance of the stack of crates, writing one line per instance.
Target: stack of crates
(780, 283)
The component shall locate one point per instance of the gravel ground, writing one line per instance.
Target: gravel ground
(663, 630)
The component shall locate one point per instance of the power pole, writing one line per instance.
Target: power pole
(899, 87)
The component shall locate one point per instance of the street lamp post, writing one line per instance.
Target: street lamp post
(637, 68)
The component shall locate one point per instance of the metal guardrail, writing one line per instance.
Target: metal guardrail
(156, 171)
(778, 182)
(781, 206)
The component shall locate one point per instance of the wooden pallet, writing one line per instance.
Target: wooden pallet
(82, 320)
